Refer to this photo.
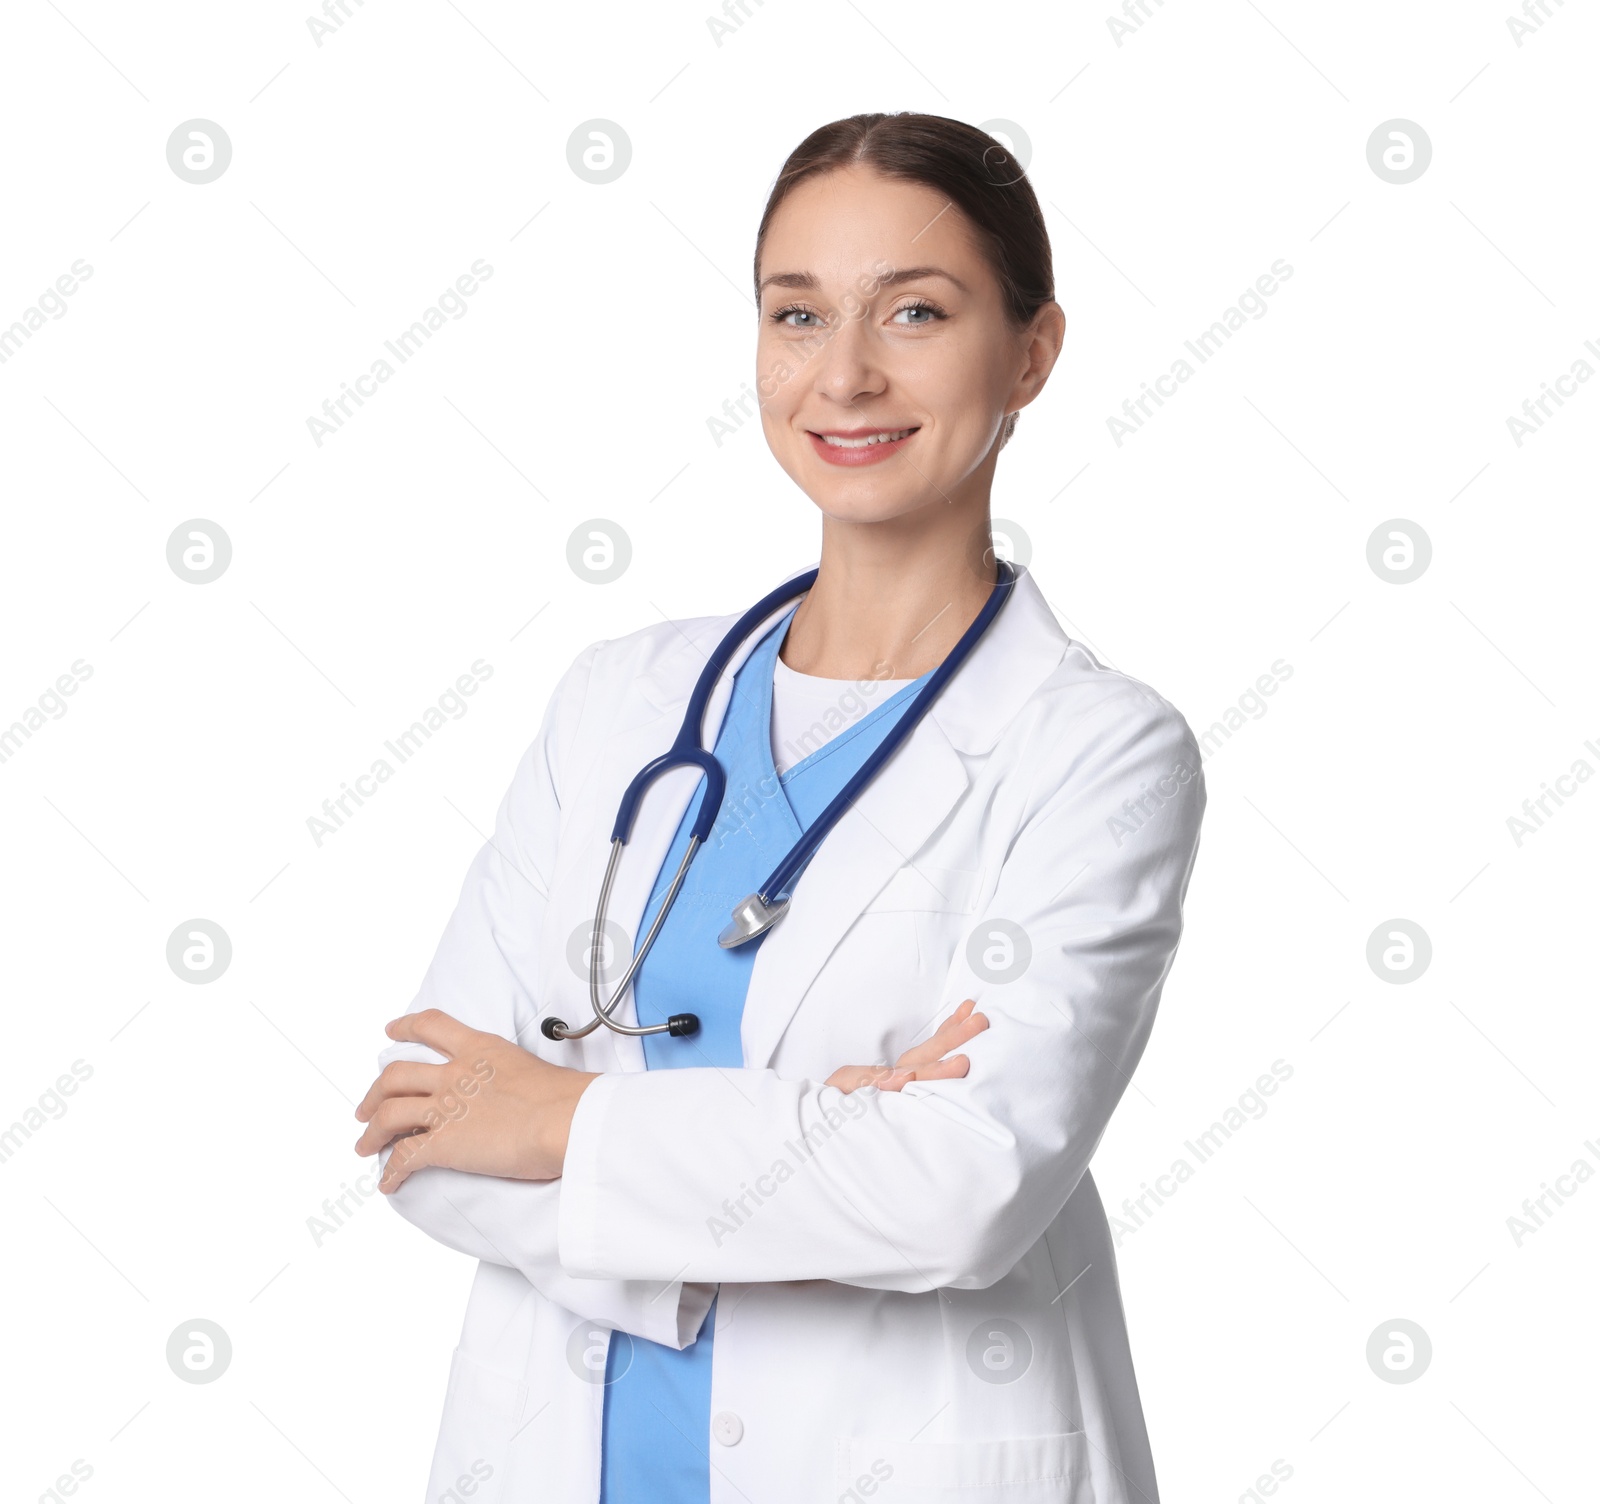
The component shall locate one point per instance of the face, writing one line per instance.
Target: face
(886, 361)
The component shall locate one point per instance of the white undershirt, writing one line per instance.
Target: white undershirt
(808, 712)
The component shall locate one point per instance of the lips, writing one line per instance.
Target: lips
(860, 446)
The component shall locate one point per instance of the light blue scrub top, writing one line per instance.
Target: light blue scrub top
(656, 1431)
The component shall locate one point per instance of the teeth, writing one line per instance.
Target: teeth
(877, 438)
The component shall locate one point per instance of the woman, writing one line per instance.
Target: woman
(756, 1262)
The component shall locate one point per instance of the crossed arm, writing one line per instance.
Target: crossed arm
(494, 1108)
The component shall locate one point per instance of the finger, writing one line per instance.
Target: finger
(849, 1078)
(952, 1069)
(400, 1078)
(410, 1154)
(952, 1027)
(893, 1080)
(434, 1028)
(959, 1031)
(394, 1117)
(953, 1033)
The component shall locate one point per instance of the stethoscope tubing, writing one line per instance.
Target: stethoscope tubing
(688, 749)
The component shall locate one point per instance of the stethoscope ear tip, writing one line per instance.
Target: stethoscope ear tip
(553, 1028)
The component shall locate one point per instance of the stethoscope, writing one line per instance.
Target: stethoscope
(756, 914)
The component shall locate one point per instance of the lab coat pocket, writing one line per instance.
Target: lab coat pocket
(482, 1410)
(1017, 1470)
(920, 885)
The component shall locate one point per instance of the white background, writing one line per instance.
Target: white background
(431, 530)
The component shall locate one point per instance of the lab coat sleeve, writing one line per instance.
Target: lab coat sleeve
(945, 1183)
(484, 973)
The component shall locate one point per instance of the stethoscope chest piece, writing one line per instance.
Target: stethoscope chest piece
(751, 917)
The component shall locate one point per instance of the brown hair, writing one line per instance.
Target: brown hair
(970, 167)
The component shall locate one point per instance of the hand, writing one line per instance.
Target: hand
(493, 1109)
(922, 1062)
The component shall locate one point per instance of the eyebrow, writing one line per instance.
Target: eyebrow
(808, 282)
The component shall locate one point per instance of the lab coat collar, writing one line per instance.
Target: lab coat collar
(1021, 646)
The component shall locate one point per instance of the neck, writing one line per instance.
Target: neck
(887, 604)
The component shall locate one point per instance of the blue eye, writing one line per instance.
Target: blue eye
(933, 311)
(782, 314)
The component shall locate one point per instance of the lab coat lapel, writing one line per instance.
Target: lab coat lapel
(890, 820)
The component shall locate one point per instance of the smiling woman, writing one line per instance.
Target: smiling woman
(788, 1217)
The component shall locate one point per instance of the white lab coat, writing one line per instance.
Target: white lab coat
(892, 1322)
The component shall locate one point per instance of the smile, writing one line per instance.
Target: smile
(872, 438)
(863, 447)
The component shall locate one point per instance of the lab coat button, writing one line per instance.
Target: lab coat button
(727, 1428)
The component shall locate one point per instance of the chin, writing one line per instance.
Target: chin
(880, 507)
